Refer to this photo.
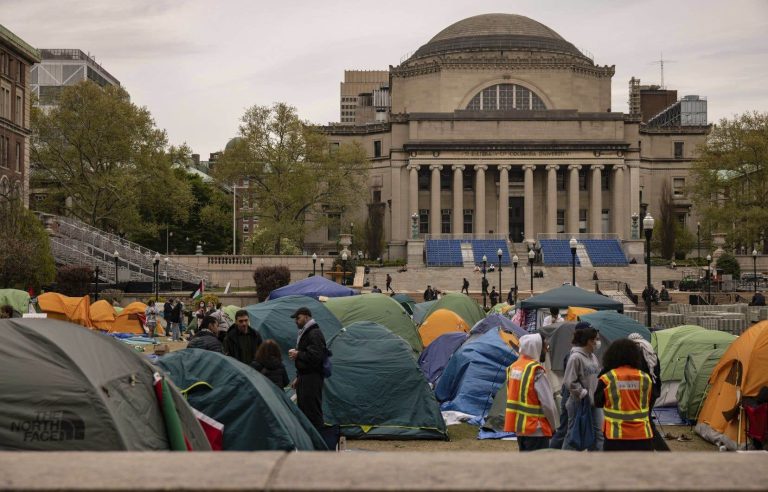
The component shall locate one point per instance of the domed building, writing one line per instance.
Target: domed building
(499, 128)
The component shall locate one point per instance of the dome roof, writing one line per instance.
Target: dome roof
(496, 32)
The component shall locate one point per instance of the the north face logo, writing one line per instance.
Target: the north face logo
(61, 425)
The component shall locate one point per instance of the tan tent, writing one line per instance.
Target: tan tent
(439, 322)
(103, 315)
(74, 309)
(131, 320)
(574, 312)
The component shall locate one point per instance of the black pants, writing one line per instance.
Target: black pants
(628, 445)
(309, 396)
(532, 443)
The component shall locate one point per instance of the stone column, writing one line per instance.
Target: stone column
(458, 199)
(398, 232)
(480, 199)
(620, 220)
(634, 190)
(573, 199)
(596, 200)
(528, 202)
(504, 199)
(413, 189)
(434, 200)
(552, 198)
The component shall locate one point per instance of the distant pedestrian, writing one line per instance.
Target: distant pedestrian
(375, 290)
(465, 286)
(167, 309)
(389, 284)
(308, 356)
(511, 296)
(173, 322)
(758, 299)
(269, 362)
(150, 313)
(242, 341)
(429, 294)
(484, 285)
(494, 296)
(206, 337)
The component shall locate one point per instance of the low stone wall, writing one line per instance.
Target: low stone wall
(238, 270)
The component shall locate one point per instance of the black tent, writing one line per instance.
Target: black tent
(567, 296)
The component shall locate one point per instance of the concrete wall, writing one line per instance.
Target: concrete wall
(239, 269)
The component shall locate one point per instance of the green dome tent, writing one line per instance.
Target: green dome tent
(406, 301)
(67, 388)
(17, 299)
(272, 319)
(693, 386)
(257, 415)
(378, 308)
(567, 296)
(377, 390)
(469, 310)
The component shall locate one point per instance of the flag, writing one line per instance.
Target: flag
(214, 430)
(176, 439)
(199, 291)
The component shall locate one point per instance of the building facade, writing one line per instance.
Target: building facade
(16, 58)
(500, 127)
(59, 68)
(357, 85)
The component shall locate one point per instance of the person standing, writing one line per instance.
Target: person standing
(269, 362)
(511, 296)
(465, 286)
(581, 380)
(649, 364)
(429, 294)
(494, 296)
(206, 337)
(624, 393)
(241, 341)
(530, 410)
(553, 317)
(389, 284)
(308, 356)
(167, 309)
(559, 436)
(484, 286)
(175, 321)
(150, 313)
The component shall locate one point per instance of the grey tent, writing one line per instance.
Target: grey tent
(66, 388)
(568, 295)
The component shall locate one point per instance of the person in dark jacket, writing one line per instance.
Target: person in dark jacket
(494, 296)
(242, 341)
(206, 338)
(308, 356)
(269, 362)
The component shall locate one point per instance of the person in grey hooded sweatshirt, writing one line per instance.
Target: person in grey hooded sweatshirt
(580, 378)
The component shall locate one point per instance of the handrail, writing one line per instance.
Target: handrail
(578, 236)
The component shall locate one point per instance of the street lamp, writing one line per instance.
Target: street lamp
(754, 268)
(156, 264)
(484, 286)
(314, 262)
(573, 244)
(344, 268)
(116, 256)
(531, 256)
(499, 252)
(322, 265)
(515, 259)
(96, 272)
(648, 227)
(709, 279)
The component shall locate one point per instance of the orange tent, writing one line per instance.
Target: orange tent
(73, 309)
(440, 322)
(744, 365)
(102, 315)
(131, 320)
(510, 339)
(574, 312)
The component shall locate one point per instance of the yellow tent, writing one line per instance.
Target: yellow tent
(131, 320)
(440, 322)
(74, 309)
(510, 339)
(103, 315)
(574, 312)
(744, 365)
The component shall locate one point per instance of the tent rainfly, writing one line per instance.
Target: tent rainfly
(567, 296)
(314, 287)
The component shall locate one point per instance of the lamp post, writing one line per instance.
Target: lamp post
(709, 279)
(344, 268)
(116, 256)
(314, 262)
(531, 257)
(698, 243)
(754, 268)
(156, 264)
(322, 265)
(573, 244)
(499, 253)
(648, 228)
(485, 289)
(515, 259)
(168, 236)
(96, 272)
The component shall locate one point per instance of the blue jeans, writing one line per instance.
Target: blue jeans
(597, 418)
(175, 334)
(559, 436)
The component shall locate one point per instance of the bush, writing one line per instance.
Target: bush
(212, 298)
(728, 264)
(74, 281)
(25, 251)
(269, 278)
(111, 295)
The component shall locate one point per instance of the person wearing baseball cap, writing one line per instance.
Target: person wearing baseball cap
(308, 358)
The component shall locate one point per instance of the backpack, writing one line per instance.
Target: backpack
(583, 435)
(327, 364)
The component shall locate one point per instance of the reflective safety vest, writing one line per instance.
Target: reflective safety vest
(627, 396)
(524, 415)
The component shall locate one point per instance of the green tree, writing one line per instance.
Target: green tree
(25, 251)
(666, 226)
(293, 174)
(730, 178)
(105, 154)
(728, 264)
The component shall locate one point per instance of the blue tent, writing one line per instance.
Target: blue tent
(474, 374)
(435, 357)
(497, 320)
(313, 287)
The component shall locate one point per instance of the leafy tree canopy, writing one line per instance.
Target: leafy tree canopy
(25, 251)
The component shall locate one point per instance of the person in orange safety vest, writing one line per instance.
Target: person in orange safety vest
(530, 405)
(624, 392)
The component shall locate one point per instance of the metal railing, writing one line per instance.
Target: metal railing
(578, 236)
(463, 237)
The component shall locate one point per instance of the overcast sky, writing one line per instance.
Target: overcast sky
(197, 64)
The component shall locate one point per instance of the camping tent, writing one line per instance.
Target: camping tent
(568, 295)
(574, 312)
(439, 322)
(17, 299)
(474, 374)
(66, 388)
(231, 311)
(434, 358)
(103, 315)
(693, 386)
(420, 311)
(131, 320)
(495, 320)
(377, 390)
(273, 320)
(378, 308)
(74, 309)
(313, 287)
(613, 325)
(466, 307)
(744, 366)
(257, 415)
(673, 346)
(406, 301)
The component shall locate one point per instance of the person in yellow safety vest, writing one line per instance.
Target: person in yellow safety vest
(531, 410)
(624, 392)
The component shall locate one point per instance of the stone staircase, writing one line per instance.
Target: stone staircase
(467, 255)
(581, 253)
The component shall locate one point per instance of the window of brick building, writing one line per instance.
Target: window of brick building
(560, 221)
(423, 221)
(445, 221)
(377, 148)
(679, 150)
(468, 216)
(678, 187)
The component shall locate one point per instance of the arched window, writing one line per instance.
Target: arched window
(506, 97)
